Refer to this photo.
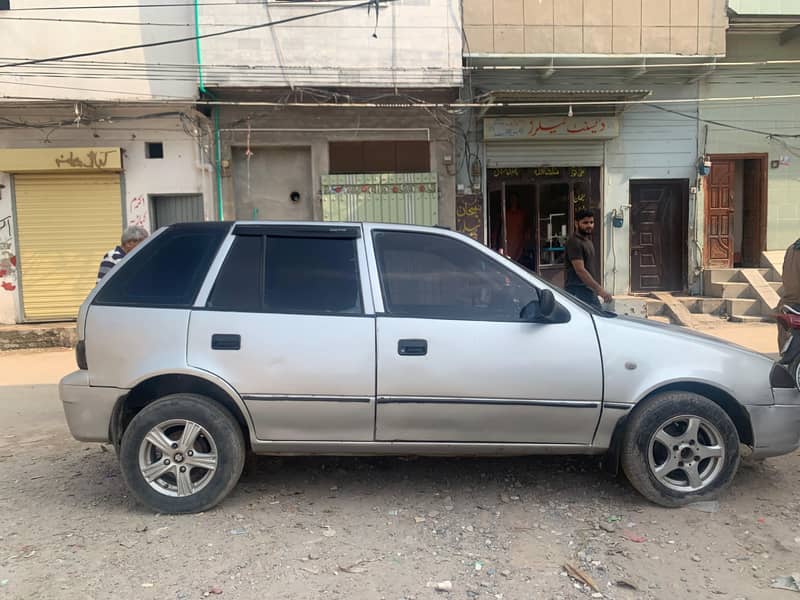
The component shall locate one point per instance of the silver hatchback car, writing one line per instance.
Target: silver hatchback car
(214, 339)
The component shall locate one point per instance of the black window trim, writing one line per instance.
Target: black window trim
(294, 231)
(278, 231)
(386, 313)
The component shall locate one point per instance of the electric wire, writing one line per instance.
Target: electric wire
(193, 38)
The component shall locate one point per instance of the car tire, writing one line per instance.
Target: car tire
(182, 454)
(679, 448)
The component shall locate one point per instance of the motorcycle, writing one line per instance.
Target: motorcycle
(789, 318)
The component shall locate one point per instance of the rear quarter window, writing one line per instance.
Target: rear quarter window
(168, 271)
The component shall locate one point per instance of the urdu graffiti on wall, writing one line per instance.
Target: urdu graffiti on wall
(92, 160)
(8, 260)
(469, 215)
(137, 211)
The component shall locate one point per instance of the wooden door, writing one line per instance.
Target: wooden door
(658, 235)
(719, 246)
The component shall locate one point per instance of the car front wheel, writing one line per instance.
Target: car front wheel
(679, 448)
(182, 454)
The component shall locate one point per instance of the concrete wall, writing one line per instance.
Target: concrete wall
(416, 43)
(184, 170)
(310, 130)
(8, 253)
(102, 77)
(687, 27)
(264, 181)
(652, 145)
(767, 116)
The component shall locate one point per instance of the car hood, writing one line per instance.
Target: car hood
(676, 331)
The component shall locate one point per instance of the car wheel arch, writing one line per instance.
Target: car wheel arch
(152, 388)
(732, 407)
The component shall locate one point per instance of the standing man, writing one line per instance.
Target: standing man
(517, 228)
(131, 237)
(581, 274)
(791, 286)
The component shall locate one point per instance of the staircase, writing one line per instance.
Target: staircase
(746, 294)
(738, 295)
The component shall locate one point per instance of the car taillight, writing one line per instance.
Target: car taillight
(80, 356)
(789, 321)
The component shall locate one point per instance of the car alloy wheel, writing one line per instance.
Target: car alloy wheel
(686, 453)
(178, 458)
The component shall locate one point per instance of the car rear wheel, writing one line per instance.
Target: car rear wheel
(182, 454)
(679, 448)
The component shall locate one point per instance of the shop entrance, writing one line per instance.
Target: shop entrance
(531, 214)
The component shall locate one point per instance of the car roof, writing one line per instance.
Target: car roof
(309, 224)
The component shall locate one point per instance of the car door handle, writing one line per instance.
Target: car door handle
(226, 341)
(412, 347)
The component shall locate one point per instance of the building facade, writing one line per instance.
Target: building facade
(499, 119)
(750, 197)
(590, 104)
(316, 116)
(90, 145)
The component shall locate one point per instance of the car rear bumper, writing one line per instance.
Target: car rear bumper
(87, 409)
(776, 427)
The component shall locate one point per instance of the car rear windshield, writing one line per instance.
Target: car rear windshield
(168, 271)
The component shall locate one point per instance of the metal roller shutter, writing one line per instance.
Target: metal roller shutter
(176, 208)
(548, 154)
(65, 224)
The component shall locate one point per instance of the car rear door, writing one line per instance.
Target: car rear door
(288, 325)
(456, 363)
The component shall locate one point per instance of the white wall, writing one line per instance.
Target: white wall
(24, 39)
(418, 43)
(8, 252)
(652, 145)
(184, 170)
(764, 115)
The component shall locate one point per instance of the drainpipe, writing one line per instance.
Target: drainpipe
(215, 111)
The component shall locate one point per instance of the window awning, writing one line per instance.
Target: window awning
(558, 101)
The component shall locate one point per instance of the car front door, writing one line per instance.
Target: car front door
(455, 361)
(288, 326)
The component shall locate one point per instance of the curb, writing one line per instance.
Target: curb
(28, 337)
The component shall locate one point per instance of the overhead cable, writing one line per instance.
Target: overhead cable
(193, 38)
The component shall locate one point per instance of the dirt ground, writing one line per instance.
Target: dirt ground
(371, 528)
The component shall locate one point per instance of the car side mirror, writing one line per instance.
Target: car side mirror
(547, 303)
(544, 310)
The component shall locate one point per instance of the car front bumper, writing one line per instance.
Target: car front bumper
(87, 409)
(776, 427)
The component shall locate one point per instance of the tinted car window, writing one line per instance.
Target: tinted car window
(167, 272)
(434, 276)
(239, 283)
(312, 275)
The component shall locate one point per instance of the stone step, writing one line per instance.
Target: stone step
(725, 275)
(660, 319)
(654, 307)
(744, 307)
(749, 319)
(700, 305)
(773, 259)
(675, 309)
(762, 289)
(730, 289)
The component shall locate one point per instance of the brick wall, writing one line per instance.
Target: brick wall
(683, 27)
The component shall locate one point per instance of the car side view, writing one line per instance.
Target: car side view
(212, 340)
